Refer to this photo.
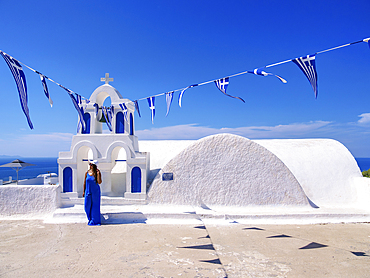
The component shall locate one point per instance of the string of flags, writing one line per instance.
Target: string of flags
(306, 64)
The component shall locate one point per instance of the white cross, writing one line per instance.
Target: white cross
(308, 59)
(106, 79)
(151, 104)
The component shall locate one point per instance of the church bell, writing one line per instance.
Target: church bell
(102, 119)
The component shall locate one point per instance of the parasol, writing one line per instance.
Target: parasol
(17, 165)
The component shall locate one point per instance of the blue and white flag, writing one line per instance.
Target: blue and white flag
(367, 40)
(79, 101)
(45, 87)
(137, 107)
(259, 71)
(169, 97)
(124, 109)
(76, 105)
(308, 66)
(108, 117)
(183, 91)
(152, 107)
(222, 85)
(96, 109)
(20, 79)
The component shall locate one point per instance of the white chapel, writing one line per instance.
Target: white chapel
(123, 168)
(219, 170)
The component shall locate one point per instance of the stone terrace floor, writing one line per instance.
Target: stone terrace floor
(32, 248)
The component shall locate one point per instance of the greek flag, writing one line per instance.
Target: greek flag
(367, 40)
(76, 105)
(46, 91)
(124, 109)
(222, 85)
(137, 107)
(183, 91)
(152, 107)
(20, 79)
(169, 97)
(96, 109)
(108, 117)
(307, 65)
(259, 71)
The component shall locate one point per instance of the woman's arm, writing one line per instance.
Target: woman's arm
(99, 176)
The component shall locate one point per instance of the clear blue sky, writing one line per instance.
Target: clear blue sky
(151, 47)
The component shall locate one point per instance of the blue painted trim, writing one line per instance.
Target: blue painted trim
(136, 180)
(87, 119)
(120, 123)
(67, 180)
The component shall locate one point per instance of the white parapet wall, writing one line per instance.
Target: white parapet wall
(38, 200)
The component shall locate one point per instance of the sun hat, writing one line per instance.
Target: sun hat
(94, 162)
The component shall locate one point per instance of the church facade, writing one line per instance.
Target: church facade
(124, 169)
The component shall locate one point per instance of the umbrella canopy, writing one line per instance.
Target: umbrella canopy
(17, 165)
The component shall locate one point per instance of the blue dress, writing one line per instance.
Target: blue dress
(92, 201)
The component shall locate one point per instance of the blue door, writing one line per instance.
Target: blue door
(87, 122)
(120, 123)
(67, 180)
(136, 180)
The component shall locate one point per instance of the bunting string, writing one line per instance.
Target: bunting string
(305, 63)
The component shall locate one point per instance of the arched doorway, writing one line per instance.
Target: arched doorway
(136, 180)
(84, 154)
(67, 180)
(118, 172)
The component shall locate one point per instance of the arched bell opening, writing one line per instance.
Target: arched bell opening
(87, 120)
(84, 154)
(106, 119)
(120, 123)
(103, 99)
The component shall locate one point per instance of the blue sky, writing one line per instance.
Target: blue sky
(151, 47)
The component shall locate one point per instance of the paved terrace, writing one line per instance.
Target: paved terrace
(31, 248)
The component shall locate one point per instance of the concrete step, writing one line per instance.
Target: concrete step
(119, 214)
(67, 195)
(138, 213)
(68, 201)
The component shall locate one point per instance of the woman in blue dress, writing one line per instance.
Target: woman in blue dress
(92, 195)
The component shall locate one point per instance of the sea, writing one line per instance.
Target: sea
(44, 165)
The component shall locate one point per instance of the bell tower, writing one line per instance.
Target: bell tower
(119, 117)
(123, 167)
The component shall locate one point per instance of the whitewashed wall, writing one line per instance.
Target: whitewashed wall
(326, 170)
(18, 200)
(228, 170)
